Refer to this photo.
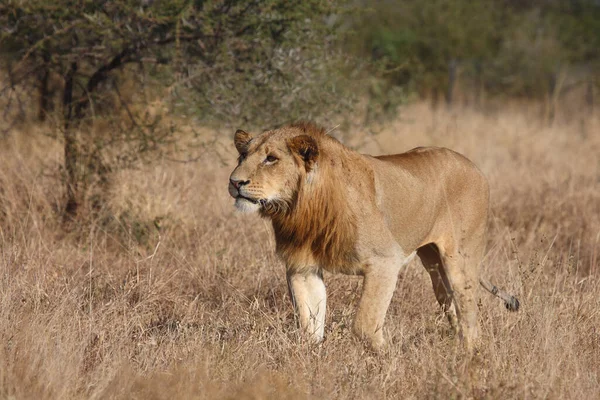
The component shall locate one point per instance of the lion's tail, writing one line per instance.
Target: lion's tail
(510, 301)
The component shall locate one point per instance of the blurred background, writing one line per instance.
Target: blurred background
(126, 273)
(259, 64)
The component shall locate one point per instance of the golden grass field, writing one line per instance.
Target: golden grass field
(199, 308)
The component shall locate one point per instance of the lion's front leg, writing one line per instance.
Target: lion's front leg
(378, 288)
(309, 297)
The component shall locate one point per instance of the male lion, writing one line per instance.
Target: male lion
(337, 210)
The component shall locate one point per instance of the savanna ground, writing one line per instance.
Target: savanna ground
(175, 295)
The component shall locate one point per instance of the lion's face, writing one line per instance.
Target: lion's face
(270, 167)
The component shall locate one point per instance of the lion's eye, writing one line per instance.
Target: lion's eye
(270, 159)
(242, 157)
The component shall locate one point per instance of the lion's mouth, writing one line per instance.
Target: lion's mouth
(253, 201)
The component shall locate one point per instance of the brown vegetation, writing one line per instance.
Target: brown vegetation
(171, 294)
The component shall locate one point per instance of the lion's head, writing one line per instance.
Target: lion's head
(271, 167)
(292, 176)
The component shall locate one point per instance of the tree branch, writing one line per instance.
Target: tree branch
(125, 56)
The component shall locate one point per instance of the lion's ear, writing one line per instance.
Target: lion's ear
(241, 139)
(306, 147)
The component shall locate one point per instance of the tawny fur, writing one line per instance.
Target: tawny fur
(337, 210)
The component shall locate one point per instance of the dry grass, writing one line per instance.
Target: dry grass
(200, 309)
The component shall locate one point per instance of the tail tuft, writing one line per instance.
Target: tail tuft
(513, 304)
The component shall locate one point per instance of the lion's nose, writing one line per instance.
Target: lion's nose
(237, 183)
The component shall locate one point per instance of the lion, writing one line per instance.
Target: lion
(336, 210)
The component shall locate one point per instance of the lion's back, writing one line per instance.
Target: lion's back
(435, 165)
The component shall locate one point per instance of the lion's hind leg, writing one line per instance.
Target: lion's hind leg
(462, 269)
(432, 261)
